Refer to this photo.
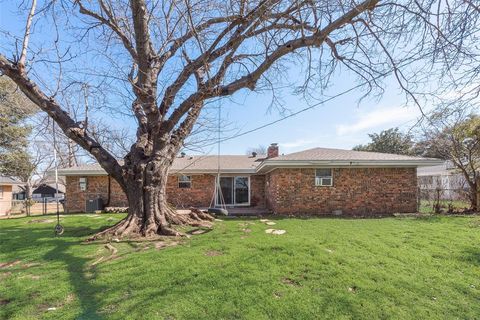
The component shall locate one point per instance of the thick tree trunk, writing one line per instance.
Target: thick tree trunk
(28, 198)
(475, 193)
(149, 213)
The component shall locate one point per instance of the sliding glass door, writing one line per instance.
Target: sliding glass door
(235, 191)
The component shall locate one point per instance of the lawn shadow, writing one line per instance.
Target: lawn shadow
(80, 271)
(471, 255)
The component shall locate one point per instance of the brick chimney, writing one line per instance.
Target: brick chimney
(272, 150)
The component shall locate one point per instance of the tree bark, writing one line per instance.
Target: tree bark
(28, 198)
(149, 213)
(478, 195)
(474, 195)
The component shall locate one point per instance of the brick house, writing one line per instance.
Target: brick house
(314, 181)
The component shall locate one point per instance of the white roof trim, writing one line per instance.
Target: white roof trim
(101, 172)
(82, 172)
(212, 171)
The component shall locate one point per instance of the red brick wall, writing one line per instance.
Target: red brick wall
(203, 186)
(97, 186)
(199, 195)
(355, 191)
(257, 195)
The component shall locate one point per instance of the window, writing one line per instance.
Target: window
(1, 192)
(184, 181)
(323, 177)
(82, 184)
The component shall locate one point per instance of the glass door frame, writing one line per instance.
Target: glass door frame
(234, 204)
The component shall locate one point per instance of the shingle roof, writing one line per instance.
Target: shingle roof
(188, 164)
(249, 164)
(319, 154)
(210, 163)
(8, 180)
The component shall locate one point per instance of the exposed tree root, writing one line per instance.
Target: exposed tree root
(160, 224)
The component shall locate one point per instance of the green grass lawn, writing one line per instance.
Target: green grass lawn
(392, 268)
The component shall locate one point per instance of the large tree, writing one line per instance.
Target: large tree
(389, 141)
(167, 59)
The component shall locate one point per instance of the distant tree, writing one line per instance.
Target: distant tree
(260, 149)
(389, 141)
(15, 109)
(455, 136)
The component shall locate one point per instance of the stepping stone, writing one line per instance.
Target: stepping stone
(270, 223)
(213, 253)
(279, 232)
(264, 220)
(269, 230)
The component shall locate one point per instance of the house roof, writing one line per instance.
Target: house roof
(327, 157)
(187, 164)
(228, 163)
(259, 164)
(48, 188)
(9, 181)
(346, 155)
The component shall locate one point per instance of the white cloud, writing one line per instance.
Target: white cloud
(299, 144)
(296, 143)
(392, 116)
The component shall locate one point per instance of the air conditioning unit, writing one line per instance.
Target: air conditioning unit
(93, 205)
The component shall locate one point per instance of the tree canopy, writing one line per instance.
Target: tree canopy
(389, 141)
(15, 109)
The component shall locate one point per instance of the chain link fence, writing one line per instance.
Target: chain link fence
(38, 206)
(444, 200)
(443, 194)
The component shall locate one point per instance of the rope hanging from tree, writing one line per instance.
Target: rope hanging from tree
(58, 228)
(219, 208)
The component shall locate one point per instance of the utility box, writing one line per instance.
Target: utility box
(93, 205)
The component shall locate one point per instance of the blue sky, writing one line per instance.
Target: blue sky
(340, 123)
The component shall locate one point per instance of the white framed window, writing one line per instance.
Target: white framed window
(82, 183)
(324, 177)
(184, 181)
(1, 192)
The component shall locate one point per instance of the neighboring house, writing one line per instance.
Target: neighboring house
(315, 181)
(48, 191)
(45, 190)
(444, 177)
(6, 186)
